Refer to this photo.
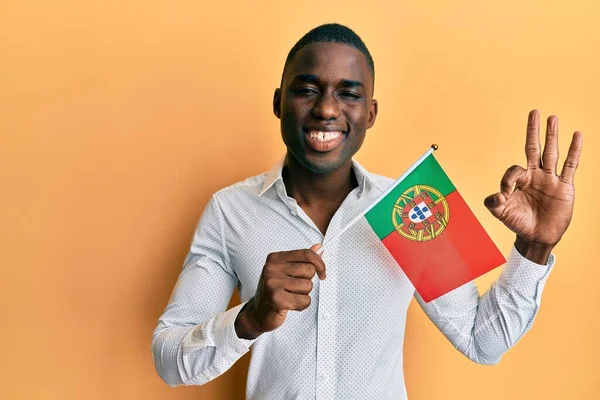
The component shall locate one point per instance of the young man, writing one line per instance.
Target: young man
(332, 327)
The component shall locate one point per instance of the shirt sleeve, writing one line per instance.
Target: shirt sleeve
(195, 339)
(484, 328)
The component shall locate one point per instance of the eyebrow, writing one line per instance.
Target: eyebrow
(351, 83)
(309, 78)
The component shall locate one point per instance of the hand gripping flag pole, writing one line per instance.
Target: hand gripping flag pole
(433, 148)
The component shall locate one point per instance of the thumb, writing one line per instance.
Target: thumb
(316, 247)
(495, 203)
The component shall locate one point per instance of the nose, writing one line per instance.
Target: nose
(326, 107)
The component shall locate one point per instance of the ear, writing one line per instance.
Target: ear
(372, 113)
(277, 103)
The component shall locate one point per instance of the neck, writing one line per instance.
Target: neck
(309, 188)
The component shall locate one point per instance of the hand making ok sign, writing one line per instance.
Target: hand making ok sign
(537, 203)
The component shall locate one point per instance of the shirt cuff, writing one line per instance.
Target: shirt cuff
(224, 334)
(525, 275)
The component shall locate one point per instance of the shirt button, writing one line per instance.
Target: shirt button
(324, 378)
(293, 212)
(326, 316)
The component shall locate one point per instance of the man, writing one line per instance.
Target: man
(332, 327)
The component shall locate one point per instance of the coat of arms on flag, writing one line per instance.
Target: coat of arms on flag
(420, 213)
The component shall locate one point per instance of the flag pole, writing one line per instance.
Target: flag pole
(433, 148)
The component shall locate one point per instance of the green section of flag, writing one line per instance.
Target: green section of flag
(429, 173)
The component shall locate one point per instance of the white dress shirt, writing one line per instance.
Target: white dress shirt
(348, 343)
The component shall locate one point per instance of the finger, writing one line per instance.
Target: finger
(280, 303)
(305, 255)
(291, 301)
(495, 203)
(550, 156)
(321, 270)
(572, 160)
(532, 143)
(511, 178)
(300, 270)
(298, 285)
(300, 302)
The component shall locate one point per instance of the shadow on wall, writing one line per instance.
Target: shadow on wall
(174, 244)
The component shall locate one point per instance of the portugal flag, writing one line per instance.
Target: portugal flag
(431, 232)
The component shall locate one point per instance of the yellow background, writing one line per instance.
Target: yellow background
(118, 120)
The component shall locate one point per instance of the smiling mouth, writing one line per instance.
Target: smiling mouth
(324, 136)
(324, 141)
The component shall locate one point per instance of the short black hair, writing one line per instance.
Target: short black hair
(331, 33)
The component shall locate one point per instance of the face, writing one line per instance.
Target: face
(325, 105)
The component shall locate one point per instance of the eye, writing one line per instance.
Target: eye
(306, 91)
(351, 95)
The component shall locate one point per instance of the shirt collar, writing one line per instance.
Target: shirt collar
(363, 176)
(273, 175)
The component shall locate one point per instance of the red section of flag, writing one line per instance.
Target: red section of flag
(461, 253)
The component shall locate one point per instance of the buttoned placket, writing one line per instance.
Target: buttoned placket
(325, 295)
(328, 306)
(327, 326)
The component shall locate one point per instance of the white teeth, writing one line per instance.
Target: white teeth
(324, 136)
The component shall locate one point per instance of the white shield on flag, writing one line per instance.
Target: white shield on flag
(419, 213)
